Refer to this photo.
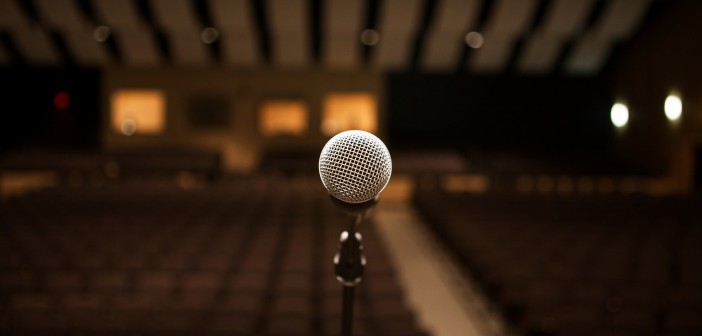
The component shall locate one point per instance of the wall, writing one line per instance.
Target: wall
(664, 56)
(241, 145)
(30, 117)
(502, 112)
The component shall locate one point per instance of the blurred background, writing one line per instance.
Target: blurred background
(158, 167)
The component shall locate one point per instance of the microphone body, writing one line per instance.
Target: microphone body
(355, 166)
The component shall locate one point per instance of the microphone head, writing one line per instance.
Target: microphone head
(355, 166)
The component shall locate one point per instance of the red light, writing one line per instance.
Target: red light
(61, 100)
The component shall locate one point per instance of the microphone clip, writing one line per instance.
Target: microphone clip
(349, 261)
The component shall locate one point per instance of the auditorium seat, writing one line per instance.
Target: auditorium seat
(245, 256)
(578, 265)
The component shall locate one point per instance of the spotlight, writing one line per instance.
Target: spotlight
(474, 40)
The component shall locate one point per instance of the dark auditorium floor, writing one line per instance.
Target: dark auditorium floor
(253, 256)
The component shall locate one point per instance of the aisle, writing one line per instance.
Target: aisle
(442, 297)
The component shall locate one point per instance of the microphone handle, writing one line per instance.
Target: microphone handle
(347, 311)
(349, 264)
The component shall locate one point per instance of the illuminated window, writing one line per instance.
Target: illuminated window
(138, 112)
(283, 117)
(345, 111)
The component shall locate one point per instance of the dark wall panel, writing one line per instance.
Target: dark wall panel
(499, 112)
(31, 118)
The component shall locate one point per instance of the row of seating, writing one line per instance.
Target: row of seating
(598, 265)
(243, 257)
(116, 164)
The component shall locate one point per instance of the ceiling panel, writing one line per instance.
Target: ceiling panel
(175, 15)
(442, 51)
(540, 54)
(11, 15)
(455, 16)
(399, 20)
(34, 45)
(343, 22)
(117, 14)
(565, 17)
(187, 48)
(239, 40)
(621, 17)
(393, 53)
(443, 44)
(343, 16)
(589, 55)
(290, 50)
(288, 39)
(84, 48)
(342, 51)
(493, 56)
(510, 18)
(63, 14)
(288, 17)
(239, 50)
(399, 17)
(138, 47)
(232, 16)
(289, 30)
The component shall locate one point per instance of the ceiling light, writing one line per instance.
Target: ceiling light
(474, 40)
(101, 33)
(209, 35)
(370, 37)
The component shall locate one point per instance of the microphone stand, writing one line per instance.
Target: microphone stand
(349, 261)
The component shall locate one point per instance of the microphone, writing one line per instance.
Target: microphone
(355, 167)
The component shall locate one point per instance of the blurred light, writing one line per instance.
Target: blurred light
(96, 179)
(628, 186)
(101, 33)
(112, 169)
(619, 115)
(75, 178)
(370, 37)
(586, 185)
(343, 111)
(61, 100)
(605, 185)
(209, 35)
(565, 185)
(673, 107)
(146, 108)
(461, 183)
(544, 184)
(474, 40)
(525, 183)
(283, 117)
(128, 126)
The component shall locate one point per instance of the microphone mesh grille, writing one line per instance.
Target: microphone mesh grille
(355, 166)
